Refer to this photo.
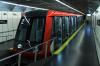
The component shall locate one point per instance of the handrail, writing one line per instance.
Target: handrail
(25, 50)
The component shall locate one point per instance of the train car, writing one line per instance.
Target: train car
(39, 26)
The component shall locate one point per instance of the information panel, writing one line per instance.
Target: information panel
(3, 21)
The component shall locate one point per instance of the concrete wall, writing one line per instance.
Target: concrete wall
(8, 31)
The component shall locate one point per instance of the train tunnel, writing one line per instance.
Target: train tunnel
(49, 33)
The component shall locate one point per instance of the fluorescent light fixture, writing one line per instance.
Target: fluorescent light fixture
(69, 6)
(88, 14)
(22, 5)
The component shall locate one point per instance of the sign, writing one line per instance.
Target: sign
(3, 21)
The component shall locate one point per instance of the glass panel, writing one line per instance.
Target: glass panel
(37, 29)
(23, 29)
(63, 28)
(75, 22)
(79, 20)
(72, 20)
(33, 31)
(70, 25)
(67, 24)
(58, 30)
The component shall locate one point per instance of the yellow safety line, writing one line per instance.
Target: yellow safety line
(67, 42)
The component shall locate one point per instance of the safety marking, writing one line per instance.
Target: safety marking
(67, 42)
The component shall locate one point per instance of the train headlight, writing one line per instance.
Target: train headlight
(19, 46)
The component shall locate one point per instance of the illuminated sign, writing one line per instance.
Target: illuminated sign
(3, 21)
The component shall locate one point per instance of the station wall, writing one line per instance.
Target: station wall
(96, 26)
(8, 25)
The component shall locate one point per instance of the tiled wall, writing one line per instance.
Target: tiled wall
(8, 30)
(95, 17)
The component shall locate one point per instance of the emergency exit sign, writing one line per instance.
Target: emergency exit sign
(3, 21)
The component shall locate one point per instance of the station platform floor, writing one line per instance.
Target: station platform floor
(80, 52)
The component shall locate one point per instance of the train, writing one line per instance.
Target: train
(40, 26)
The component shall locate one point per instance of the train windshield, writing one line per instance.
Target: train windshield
(23, 27)
(37, 30)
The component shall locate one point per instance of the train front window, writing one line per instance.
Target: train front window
(37, 29)
(23, 28)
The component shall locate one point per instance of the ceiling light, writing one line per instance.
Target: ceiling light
(69, 6)
(88, 14)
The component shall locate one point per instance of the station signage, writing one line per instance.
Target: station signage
(3, 21)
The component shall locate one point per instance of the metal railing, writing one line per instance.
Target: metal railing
(34, 49)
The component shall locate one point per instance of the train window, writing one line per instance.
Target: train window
(98, 22)
(79, 20)
(33, 31)
(63, 28)
(37, 29)
(23, 28)
(75, 23)
(72, 20)
(57, 27)
(67, 24)
(70, 25)
(57, 24)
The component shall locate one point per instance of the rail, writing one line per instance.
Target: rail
(34, 49)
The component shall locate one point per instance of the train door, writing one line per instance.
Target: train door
(57, 29)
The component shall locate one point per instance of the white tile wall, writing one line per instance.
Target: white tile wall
(0, 24)
(0, 37)
(13, 19)
(95, 17)
(4, 26)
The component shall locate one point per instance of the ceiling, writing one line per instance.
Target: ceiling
(86, 6)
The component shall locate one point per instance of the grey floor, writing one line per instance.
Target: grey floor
(6, 45)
